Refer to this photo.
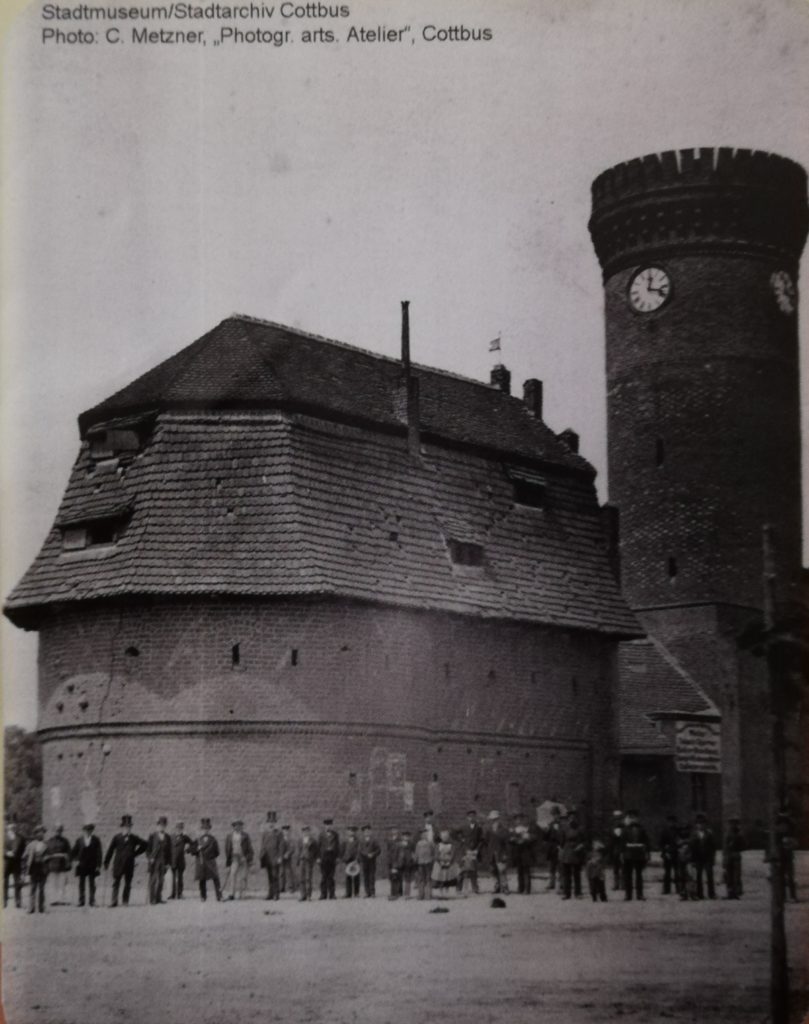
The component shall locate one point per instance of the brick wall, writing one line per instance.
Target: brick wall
(316, 707)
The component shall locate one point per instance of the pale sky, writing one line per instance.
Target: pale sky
(151, 191)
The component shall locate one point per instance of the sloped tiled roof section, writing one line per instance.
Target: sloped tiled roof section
(254, 364)
(652, 683)
(279, 503)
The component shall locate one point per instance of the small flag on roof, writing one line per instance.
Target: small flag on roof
(494, 345)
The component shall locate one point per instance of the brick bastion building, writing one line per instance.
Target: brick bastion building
(290, 574)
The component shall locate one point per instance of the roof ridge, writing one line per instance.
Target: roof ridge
(366, 351)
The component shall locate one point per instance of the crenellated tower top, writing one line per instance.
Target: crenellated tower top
(707, 199)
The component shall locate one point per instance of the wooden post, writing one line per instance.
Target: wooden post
(779, 970)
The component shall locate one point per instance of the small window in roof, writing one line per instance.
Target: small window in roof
(464, 552)
(96, 533)
(530, 488)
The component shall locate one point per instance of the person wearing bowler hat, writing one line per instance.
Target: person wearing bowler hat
(472, 844)
(634, 856)
(122, 851)
(289, 867)
(158, 855)
(306, 859)
(350, 856)
(206, 849)
(498, 849)
(329, 850)
(180, 845)
(35, 865)
(238, 858)
(703, 854)
(87, 858)
(369, 852)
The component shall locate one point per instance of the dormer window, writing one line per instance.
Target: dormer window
(94, 533)
(530, 489)
(464, 552)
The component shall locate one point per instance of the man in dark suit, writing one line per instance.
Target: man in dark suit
(634, 856)
(703, 855)
(271, 855)
(473, 845)
(158, 855)
(14, 850)
(369, 851)
(122, 851)
(329, 845)
(87, 858)
(180, 843)
(206, 850)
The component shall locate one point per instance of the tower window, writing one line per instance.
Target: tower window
(235, 655)
(660, 453)
(293, 656)
(672, 568)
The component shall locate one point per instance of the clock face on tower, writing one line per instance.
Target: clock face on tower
(649, 289)
(784, 290)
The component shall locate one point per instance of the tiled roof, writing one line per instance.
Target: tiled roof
(245, 363)
(652, 682)
(272, 503)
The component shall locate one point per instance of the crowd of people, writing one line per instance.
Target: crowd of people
(435, 861)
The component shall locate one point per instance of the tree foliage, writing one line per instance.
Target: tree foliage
(22, 771)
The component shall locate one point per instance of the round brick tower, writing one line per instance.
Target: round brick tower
(700, 253)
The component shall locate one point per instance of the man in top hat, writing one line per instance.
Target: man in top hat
(329, 843)
(473, 845)
(350, 856)
(206, 849)
(14, 850)
(87, 858)
(498, 849)
(521, 842)
(180, 845)
(306, 857)
(158, 856)
(369, 851)
(35, 866)
(58, 857)
(122, 851)
(703, 855)
(271, 855)
(238, 858)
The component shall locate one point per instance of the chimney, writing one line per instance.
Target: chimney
(501, 378)
(570, 439)
(411, 386)
(532, 396)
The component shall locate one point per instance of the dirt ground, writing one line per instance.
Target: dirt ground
(539, 959)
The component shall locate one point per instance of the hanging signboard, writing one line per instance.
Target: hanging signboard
(697, 747)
